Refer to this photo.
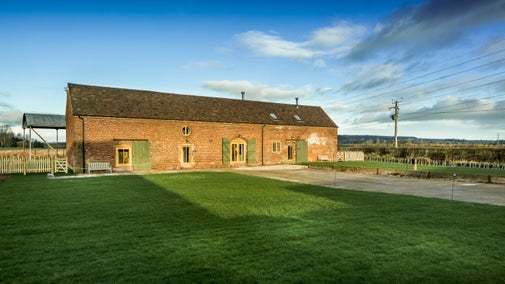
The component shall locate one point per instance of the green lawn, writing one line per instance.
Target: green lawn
(410, 167)
(226, 227)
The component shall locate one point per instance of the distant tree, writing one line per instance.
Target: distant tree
(38, 144)
(6, 136)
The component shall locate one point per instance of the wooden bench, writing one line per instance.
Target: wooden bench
(323, 158)
(99, 166)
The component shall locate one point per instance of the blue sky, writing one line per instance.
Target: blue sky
(443, 60)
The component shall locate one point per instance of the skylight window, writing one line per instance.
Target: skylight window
(273, 116)
(298, 118)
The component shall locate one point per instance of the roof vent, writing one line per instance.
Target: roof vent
(296, 102)
(243, 95)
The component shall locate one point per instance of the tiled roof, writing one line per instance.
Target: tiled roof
(115, 102)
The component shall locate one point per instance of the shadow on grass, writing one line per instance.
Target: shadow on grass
(101, 230)
(224, 227)
(132, 229)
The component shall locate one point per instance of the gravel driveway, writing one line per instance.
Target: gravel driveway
(463, 191)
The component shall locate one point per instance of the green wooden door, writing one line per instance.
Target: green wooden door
(141, 155)
(302, 151)
(251, 151)
(226, 151)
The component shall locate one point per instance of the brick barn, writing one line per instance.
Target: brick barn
(136, 130)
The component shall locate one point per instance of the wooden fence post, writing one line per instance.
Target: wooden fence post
(52, 163)
(23, 160)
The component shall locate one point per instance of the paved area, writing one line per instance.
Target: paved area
(445, 189)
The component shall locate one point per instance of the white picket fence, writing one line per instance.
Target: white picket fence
(24, 165)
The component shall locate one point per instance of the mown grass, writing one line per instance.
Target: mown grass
(226, 227)
(410, 167)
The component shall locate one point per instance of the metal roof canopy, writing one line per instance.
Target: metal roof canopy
(42, 121)
(45, 121)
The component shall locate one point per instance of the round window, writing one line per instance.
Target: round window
(186, 130)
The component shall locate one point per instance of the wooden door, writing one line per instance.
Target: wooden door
(141, 155)
(302, 151)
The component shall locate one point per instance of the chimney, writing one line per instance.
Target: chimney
(296, 102)
(243, 95)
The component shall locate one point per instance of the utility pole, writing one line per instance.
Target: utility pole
(395, 118)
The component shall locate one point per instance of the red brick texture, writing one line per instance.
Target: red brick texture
(103, 134)
(103, 124)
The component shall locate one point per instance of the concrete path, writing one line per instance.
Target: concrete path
(468, 192)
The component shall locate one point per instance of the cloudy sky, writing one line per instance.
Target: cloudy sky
(442, 60)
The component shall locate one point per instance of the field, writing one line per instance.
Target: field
(227, 227)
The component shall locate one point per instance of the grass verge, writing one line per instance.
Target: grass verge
(226, 227)
(410, 167)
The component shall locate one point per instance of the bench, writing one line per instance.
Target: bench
(99, 166)
(323, 158)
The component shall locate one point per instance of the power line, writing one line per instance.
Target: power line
(464, 83)
(458, 110)
(468, 101)
(409, 116)
(433, 90)
(432, 80)
(435, 72)
(450, 66)
(457, 85)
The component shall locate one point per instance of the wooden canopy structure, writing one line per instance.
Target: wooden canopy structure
(34, 121)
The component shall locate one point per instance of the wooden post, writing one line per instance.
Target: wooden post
(30, 142)
(24, 161)
(52, 161)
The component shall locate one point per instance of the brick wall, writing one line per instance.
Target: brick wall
(103, 135)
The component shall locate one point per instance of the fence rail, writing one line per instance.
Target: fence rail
(24, 165)
(428, 162)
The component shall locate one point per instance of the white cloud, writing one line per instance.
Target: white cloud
(11, 117)
(254, 91)
(483, 112)
(319, 63)
(429, 25)
(336, 35)
(323, 91)
(270, 45)
(8, 114)
(334, 40)
(337, 40)
(373, 75)
(263, 92)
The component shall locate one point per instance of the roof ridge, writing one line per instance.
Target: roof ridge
(188, 95)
